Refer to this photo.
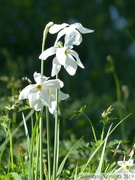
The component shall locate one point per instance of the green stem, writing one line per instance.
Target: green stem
(11, 147)
(118, 93)
(3, 148)
(21, 161)
(41, 119)
(92, 127)
(37, 155)
(34, 130)
(31, 152)
(41, 145)
(48, 143)
(56, 137)
(43, 43)
(30, 174)
(102, 134)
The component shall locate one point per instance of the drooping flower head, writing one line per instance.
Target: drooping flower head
(40, 94)
(72, 32)
(65, 55)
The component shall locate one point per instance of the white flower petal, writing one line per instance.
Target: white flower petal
(119, 170)
(70, 65)
(125, 163)
(39, 78)
(57, 27)
(53, 84)
(48, 52)
(38, 106)
(60, 34)
(24, 93)
(73, 37)
(56, 66)
(45, 97)
(130, 162)
(33, 97)
(52, 107)
(62, 96)
(61, 56)
(120, 163)
(73, 53)
(53, 95)
(82, 29)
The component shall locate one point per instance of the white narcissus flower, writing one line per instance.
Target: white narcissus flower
(126, 166)
(65, 57)
(67, 30)
(40, 94)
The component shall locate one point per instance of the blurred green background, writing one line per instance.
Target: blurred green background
(21, 28)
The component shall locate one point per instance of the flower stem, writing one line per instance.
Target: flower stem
(56, 137)
(47, 117)
(11, 147)
(41, 145)
(43, 43)
(37, 155)
(118, 93)
(92, 127)
(48, 143)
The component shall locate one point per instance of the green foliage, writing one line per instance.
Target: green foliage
(4, 123)
(79, 112)
(105, 116)
(21, 25)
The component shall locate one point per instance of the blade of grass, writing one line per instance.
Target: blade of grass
(16, 129)
(75, 176)
(94, 153)
(48, 143)
(41, 145)
(26, 133)
(92, 127)
(103, 152)
(56, 137)
(64, 160)
(32, 145)
(28, 147)
(16, 176)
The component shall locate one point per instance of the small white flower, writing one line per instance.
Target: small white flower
(40, 94)
(126, 166)
(73, 30)
(65, 56)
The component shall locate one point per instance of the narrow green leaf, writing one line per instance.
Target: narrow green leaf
(64, 160)
(96, 150)
(26, 132)
(16, 129)
(103, 152)
(16, 176)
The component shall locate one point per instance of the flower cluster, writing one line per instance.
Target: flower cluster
(64, 54)
(43, 92)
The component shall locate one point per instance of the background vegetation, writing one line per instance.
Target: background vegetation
(21, 27)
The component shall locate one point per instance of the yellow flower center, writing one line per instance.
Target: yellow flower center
(38, 87)
(66, 52)
(127, 167)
